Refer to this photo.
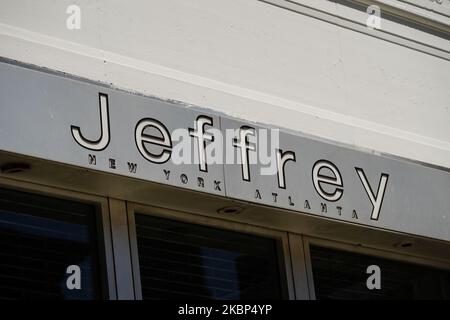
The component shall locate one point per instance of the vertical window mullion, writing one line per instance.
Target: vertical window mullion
(302, 281)
(121, 250)
(134, 252)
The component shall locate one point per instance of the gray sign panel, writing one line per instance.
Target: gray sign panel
(405, 196)
(87, 125)
(40, 115)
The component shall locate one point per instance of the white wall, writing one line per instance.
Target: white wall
(251, 60)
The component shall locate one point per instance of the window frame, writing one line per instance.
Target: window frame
(118, 252)
(305, 242)
(284, 257)
(102, 227)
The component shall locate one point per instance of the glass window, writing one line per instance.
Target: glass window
(40, 237)
(343, 275)
(186, 261)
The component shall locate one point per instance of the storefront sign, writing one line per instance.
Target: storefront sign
(88, 125)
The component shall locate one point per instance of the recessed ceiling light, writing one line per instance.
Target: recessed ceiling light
(16, 167)
(404, 244)
(230, 210)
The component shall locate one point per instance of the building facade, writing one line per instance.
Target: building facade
(237, 149)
